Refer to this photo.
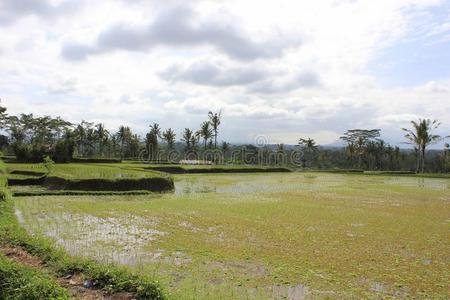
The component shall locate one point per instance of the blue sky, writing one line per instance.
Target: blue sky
(285, 69)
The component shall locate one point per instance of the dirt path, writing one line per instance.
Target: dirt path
(73, 283)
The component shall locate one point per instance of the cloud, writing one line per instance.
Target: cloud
(179, 26)
(244, 57)
(62, 87)
(206, 73)
(255, 79)
(306, 79)
(13, 10)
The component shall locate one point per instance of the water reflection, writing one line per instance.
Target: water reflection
(251, 183)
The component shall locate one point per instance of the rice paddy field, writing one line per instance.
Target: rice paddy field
(265, 236)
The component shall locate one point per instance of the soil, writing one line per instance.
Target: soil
(73, 283)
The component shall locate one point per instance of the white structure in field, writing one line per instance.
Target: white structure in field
(195, 162)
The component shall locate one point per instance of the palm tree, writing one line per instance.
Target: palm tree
(101, 134)
(123, 136)
(214, 119)
(309, 148)
(421, 136)
(206, 132)
(187, 137)
(169, 137)
(152, 140)
(308, 144)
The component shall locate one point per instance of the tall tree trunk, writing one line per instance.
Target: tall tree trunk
(215, 139)
(418, 154)
(423, 158)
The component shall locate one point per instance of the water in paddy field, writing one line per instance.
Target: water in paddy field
(127, 234)
(280, 182)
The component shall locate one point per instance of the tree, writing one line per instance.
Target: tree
(123, 135)
(151, 140)
(205, 132)
(446, 157)
(357, 140)
(101, 135)
(187, 138)
(83, 136)
(3, 115)
(309, 149)
(421, 136)
(214, 119)
(169, 136)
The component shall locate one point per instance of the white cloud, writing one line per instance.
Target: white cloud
(285, 68)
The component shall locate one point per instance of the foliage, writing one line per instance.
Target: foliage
(421, 136)
(333, 234)
(18, 282)
(48, 164)
(21, 282)
(214, 120)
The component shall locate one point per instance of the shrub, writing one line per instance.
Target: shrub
(64, 151)
(48, 164)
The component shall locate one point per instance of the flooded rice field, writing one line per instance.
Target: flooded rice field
(256, 236)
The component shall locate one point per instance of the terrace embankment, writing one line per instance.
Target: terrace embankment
(82, 177)
(154, 184)
(199, 170)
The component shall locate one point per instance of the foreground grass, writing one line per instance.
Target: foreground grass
(21, 282)
(267, 235)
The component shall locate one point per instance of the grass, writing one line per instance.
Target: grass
(91, 177)
(256, 236)
(108, 277)
(20, 282)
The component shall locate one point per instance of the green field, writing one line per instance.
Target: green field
(253, 236)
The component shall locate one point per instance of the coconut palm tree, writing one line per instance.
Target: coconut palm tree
(421, 136)
(187, 137)
(169, 136)
(205, 132)
(101, 135)
(123, 135)
(214, 119)
(309, 148)
(308, 144)
(152, 140)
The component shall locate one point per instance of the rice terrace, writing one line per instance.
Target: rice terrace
(224, 150)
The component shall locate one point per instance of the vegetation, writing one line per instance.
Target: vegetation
(259, 236)
(20, 282)
(94, 178)
(31, 139)
(421, 136)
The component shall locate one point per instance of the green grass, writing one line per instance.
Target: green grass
(259, 236)
(92, 177)
(20, 282)
(90, 171)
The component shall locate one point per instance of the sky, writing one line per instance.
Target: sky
(278, 70)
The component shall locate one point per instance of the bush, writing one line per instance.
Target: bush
(29, 153)
(64, 151)
(23, 152)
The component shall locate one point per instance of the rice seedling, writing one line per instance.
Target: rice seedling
(253, 236)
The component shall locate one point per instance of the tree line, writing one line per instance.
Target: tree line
(32, 138)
